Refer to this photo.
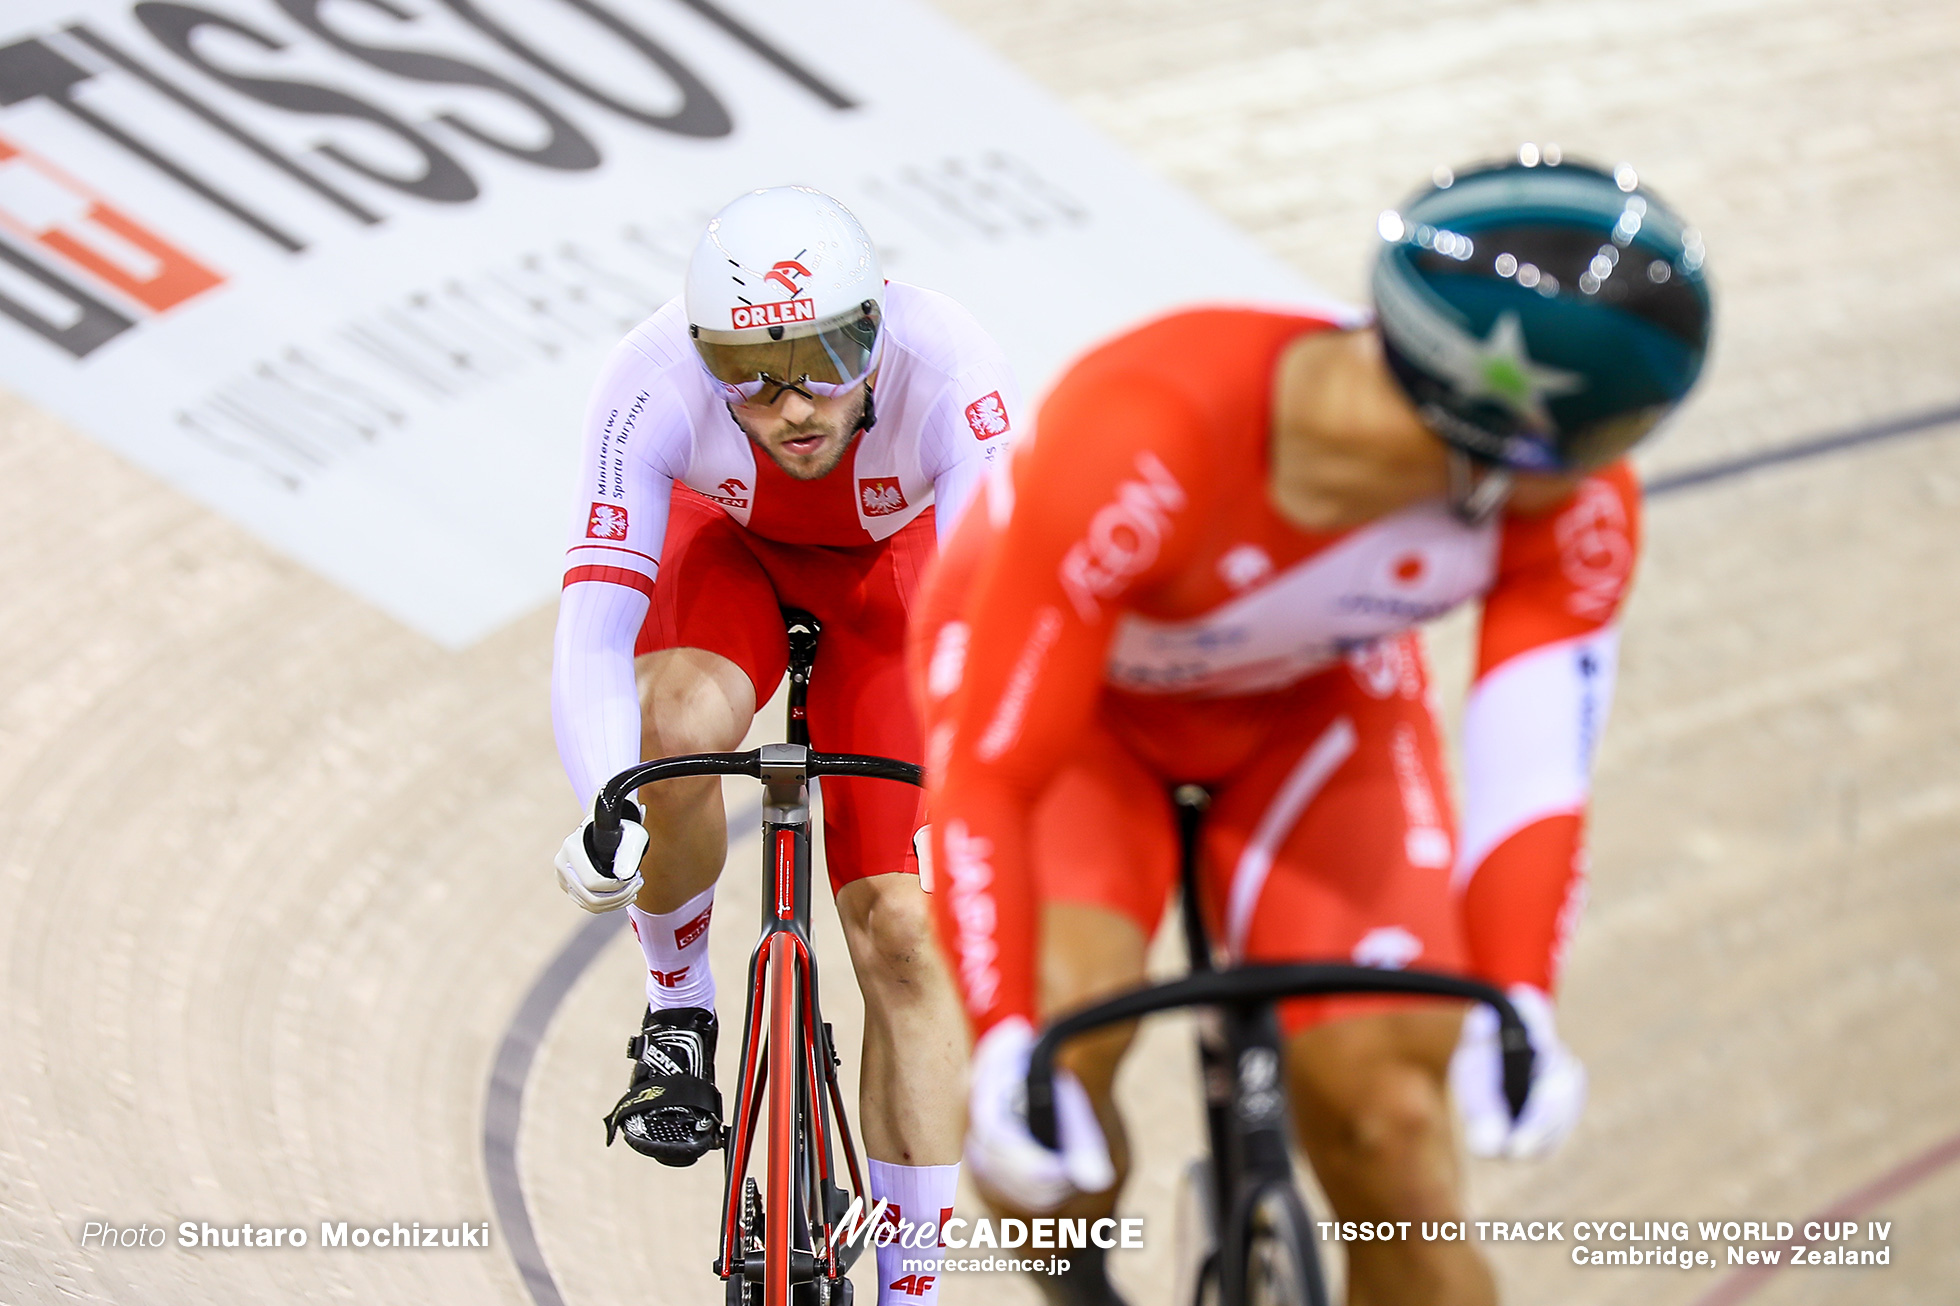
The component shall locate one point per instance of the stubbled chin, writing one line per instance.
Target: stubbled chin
(811, 466)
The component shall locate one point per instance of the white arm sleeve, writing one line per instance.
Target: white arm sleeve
(1530, 729)
(637, 441)
(595, 706)
(969, 428)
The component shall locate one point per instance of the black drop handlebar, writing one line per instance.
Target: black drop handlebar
(1240, 986)
(613, 803)
(1252, 985)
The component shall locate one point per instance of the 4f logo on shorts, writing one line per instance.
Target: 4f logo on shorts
(987, 416)
(880, 495)
(607, 522)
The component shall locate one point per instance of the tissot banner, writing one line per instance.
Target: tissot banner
(345, 269)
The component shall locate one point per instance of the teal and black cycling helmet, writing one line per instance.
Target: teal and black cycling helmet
(1542, 316)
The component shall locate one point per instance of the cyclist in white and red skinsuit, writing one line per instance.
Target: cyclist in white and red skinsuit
(1206, 569)
(844, 423)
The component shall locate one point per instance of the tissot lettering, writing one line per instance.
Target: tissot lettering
(772, 55)
(176, 94)
(701, 112)
(442, 179)
(30, 69)
(110, 92)
(565, 147)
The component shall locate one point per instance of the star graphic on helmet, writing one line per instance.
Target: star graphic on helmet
(1499, 368)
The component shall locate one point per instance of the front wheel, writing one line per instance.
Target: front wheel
(1279, 1265)
(1195, 1254)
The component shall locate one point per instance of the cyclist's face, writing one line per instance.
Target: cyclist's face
(805, 435)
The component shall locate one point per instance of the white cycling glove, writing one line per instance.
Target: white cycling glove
(1005, 1155)
(1558, 1082)
(602, 888)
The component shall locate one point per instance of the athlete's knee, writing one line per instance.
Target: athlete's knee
(692, 701)
(1371, 1099)
(1401, 1110)
(888, 924)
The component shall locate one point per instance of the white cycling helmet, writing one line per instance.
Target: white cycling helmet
(784, 290)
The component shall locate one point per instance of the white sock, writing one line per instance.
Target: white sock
(675, 944)
(920, 1195)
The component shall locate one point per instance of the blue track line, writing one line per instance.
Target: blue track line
(503, 1106)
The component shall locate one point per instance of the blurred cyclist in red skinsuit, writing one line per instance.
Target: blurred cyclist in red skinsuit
(1206, 566)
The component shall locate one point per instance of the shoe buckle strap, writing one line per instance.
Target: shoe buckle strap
(675, 1054)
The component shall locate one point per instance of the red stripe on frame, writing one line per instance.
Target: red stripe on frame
(785, 875)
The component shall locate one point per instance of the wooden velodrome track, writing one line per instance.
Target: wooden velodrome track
(274, 871)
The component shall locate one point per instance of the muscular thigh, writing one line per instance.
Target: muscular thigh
(1336, 841)
(713, 595)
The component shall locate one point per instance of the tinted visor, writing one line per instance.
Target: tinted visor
(827, 359)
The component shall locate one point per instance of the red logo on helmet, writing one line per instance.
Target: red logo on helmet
(987, 416)
(607, 522)
(784, 314)
(780, 275)
(880, 495)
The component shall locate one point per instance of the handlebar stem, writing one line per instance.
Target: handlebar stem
(785, 773)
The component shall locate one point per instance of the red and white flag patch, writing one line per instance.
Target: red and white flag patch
(880, 495)
(607, 522)
(987, 416)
